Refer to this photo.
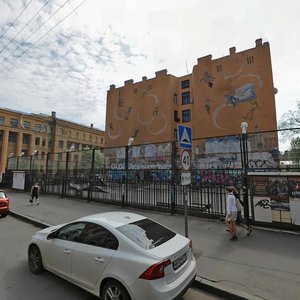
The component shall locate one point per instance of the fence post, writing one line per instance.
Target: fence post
(244, 127)
(91, 175)
(173, 178)
(126, 176)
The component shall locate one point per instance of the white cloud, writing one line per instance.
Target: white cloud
(107, 42)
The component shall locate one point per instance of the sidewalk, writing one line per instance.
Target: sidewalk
(265, 265)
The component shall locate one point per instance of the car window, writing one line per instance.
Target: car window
(146, 233)
(96, 235)
(2, 195)
(71, 232)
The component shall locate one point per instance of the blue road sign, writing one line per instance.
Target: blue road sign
(184, 135)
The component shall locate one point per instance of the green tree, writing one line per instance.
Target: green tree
(294, 153)
(291, 121)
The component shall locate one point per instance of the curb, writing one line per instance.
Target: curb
(211, 287)
(30, 220)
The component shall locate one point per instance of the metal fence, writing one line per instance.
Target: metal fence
(148, 176)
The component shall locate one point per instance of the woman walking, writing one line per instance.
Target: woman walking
(239, 205)
(231, 213)
(35, 193)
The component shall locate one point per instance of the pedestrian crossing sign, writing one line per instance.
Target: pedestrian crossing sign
(184, 135)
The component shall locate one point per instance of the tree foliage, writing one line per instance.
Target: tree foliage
(291, 121)
(294, 153)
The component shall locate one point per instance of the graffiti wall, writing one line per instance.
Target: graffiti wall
(276, 199)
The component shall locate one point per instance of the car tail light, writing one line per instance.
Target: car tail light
(191, 244)
(156, 271)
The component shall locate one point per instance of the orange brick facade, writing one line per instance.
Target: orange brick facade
(213, 100)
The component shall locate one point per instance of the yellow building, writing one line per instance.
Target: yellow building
(213, 100)
(25, 134)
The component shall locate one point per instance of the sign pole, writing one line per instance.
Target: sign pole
(185, 189)
(185, 143)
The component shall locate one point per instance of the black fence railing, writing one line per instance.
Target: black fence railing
(148, 176)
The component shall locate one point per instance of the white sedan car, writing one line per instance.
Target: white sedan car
(116, 255)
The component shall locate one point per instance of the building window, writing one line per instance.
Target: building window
(43, 156)
(26, 124)
(60, 144)
(175, 98)
(76, 146)
(44, 143)
(26, 138)
(37, 127)
(14, 123)
(12, 137)
(176, 117)
(77, 135)
(60, 131)
(44, 128)
(1, 120)
(219, 68)
(185, 84)
(250, 60)
(59, 156)
(101, 140)
(175, 134)
(37, 141)
(186, 115)
(186, 98)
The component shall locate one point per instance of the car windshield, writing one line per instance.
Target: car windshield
(2, 195)
(146, 233)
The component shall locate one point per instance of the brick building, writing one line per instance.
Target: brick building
(24, 134)
(214, 100)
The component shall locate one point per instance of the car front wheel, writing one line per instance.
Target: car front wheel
(114, 290)
(35, 260)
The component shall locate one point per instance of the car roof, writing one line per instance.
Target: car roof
(114, 219)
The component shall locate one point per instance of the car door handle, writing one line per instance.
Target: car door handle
(99, 259)
(67, 251)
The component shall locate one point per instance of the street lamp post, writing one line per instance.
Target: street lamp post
(125, 188)
(244, 127)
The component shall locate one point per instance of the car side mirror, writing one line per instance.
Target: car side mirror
(51, 236)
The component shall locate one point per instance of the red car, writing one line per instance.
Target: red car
(4, 204)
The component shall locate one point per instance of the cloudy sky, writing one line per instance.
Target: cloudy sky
(62, 55)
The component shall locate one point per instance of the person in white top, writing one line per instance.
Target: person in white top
(231, 213)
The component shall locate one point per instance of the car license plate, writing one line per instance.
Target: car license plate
(179, 261)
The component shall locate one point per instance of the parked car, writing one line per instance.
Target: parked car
(4, 204)
(116, 255)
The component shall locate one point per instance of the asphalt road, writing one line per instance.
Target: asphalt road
(17, 283)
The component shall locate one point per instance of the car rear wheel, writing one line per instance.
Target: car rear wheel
(114, 290)
(3, 215)
(35, 260)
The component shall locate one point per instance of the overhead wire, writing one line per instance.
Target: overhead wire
(16, 35)
(13, 23)
(38, 28)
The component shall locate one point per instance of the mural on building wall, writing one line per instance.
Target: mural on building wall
(225, 152)
(243, 94)
(149, 156)
(233, 98)
(208, 79)
(154, 121)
